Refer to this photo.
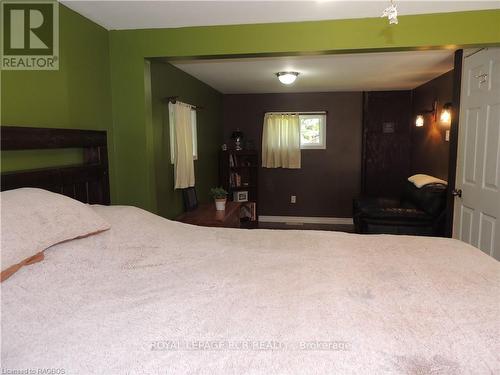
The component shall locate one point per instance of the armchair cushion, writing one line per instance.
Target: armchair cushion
(399, 214)
(364, 203)
(429, 198)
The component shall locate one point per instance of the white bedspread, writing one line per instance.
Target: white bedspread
(152, 296)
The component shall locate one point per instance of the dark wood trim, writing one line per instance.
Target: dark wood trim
(88, 182)
(27, 138)
(452, 165)
(364, 129)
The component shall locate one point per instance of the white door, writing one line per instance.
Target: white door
(477, 212)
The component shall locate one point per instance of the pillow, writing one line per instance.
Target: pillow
(35, 219)
(420, 180)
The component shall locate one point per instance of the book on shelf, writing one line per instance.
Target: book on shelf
(234, 180)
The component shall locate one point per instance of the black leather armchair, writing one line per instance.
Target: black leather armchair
(419, 211)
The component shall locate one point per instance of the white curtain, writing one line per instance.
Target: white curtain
(281, 141)
(181, 131)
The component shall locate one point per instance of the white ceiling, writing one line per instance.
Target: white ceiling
(119, 14)
(345, 72)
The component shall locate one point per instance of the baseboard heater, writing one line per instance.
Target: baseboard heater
(306, 220)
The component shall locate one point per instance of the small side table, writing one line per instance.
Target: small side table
(206, 215)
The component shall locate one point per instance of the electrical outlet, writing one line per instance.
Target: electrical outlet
(293, 199)
(447, 136)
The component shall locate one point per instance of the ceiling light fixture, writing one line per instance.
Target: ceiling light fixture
(287, 78)
(391, 12)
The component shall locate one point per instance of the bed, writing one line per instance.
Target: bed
(154, 296)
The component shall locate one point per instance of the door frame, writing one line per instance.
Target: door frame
(454, 128)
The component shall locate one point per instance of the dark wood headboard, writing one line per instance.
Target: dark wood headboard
(87, 182)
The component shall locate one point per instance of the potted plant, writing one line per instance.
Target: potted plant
(220, 197)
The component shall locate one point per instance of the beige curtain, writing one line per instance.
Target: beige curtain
(181, 130)
(281, 141)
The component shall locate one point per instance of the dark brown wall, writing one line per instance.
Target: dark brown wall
(386, 154)
(329, 179)
(430, 151)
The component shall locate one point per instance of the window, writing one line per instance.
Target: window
(313, 131)
(172, 133)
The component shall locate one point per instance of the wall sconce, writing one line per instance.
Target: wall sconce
(419, 121)
(446, 114)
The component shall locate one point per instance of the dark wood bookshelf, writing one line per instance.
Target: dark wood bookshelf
(238, 171)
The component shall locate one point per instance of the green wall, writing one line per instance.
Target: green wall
(78, 95)
(167, 80)
(134, 153)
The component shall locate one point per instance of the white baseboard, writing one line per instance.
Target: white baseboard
(306, 220)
